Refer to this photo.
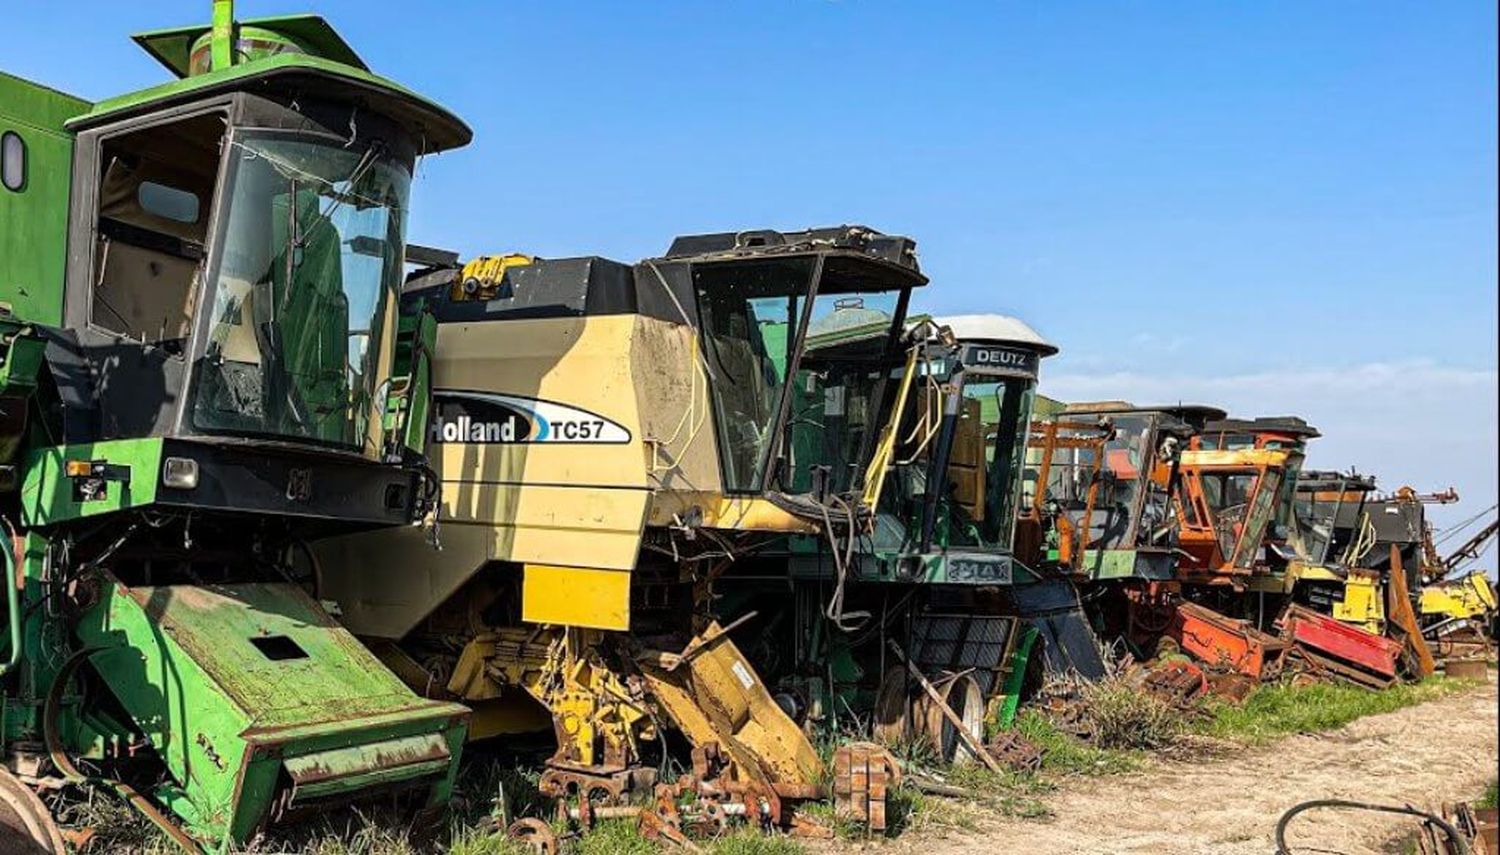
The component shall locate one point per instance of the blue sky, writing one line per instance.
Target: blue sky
(1278, 207)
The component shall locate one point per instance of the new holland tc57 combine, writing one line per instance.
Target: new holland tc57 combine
(631, 453)
(203, 370)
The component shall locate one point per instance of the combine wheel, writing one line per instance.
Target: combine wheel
(26, 828)
(533, 834)
(962, 695)
(892, 725)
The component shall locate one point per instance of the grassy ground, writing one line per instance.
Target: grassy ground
(1139, 728)
(1274, 711)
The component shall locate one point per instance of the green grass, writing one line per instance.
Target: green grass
(1269, 713)
(1069, 755)
(1007, 792)
(117, 826)
(1491, 795)
(750, 842)
(1274, 711)
(614, 837)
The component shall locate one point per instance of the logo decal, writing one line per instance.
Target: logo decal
(299, 485)
(487, 418)
(989, 359)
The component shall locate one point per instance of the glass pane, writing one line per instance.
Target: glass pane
(1257, 518)
(309, 266)
(12, 161)
(169, 202)
(749, 314)
(1004, 409)
(1127, 461)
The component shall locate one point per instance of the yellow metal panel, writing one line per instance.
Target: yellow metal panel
(741, 513)
(1467, 597)
(676, 412)
(386, 581)
(716, 696)
(1363, 603)
(578, 362)
(576, 596)
(515, 713)
(1244, 457)
(549, 524)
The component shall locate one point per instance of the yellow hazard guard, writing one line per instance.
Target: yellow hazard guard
(576, 596)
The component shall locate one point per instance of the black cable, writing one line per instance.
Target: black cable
(1461, 847)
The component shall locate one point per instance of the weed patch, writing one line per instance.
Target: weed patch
(1274, 711)
(1127, 717)
(615, 837)
(1070, 755)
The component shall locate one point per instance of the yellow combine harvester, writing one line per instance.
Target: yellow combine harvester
(607, 439)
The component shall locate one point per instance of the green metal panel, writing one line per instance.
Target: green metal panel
(1046, 408)
(21, 357)
(236, 684)
(1015, 678)
(1109, 563)
(440, 129)
(34, 220)
(47, 493)
(173, 47)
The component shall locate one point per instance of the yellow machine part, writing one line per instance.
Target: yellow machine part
(713, 695)
(600, 716)
(1467, 597)
(576, 596)
(481, 278)
(597, 716)
(1364, 602)
(741, 513)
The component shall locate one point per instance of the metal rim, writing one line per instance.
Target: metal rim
(23, 812)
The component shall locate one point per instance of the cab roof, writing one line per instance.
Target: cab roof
(329, 68)
(172, 47)
(1000, 329)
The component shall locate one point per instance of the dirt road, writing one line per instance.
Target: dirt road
(1444, 750)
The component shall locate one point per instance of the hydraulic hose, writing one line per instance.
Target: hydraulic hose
(1460, 846)
(12, 599)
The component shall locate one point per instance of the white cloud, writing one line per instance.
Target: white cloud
(1407, 422)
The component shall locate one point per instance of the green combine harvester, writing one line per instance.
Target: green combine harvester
(203, 370)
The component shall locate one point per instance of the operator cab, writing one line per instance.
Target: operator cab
(791, 324)
(1329, 514)
(235, 249)
(1238, 486)
(993, 367)
(1111, 475)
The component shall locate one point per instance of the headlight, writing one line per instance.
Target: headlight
(179, 473)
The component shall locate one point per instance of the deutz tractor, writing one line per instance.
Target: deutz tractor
(202, 372)
(922, 440)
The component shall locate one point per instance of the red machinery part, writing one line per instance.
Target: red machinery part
(1349, 644)
(1225, 641)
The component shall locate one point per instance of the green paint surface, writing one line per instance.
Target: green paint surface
(1109, 563)
(442, 129)
(47, 494)
(34, 220)
(235, 685)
